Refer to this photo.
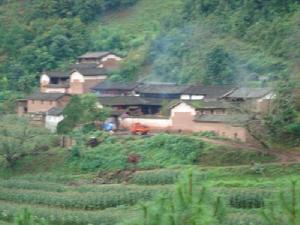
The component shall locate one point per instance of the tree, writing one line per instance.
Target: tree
(18, 138)
(281, 121)
(25, 218)
(220, 67)
(285, 211)
(81, 110)
(187, 206)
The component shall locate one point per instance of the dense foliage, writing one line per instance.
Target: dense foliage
(43, 35)
(81, 110)
(18, 139)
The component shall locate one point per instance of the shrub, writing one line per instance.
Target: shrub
(246, 200)
(87, 201)
(155, 177)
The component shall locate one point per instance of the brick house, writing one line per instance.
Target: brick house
(160, 90)
(186, 117)
(77, 81)
(200, 92)
(42, 102)
(106, 60)
(109, 88)
(252, 99)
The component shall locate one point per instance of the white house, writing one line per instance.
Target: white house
(53, 117)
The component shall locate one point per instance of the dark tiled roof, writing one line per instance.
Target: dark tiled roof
(109, 85)
(155, 101)
(129, 101)
(55, 111)
(200, 104)
(46, 96)
(94, 55)
(83, 65)
(92, 71)
(64, 85)
(160, 89)
(122, 100)
(57, 74)
(238, 119)
(250, 93)
(209, 91)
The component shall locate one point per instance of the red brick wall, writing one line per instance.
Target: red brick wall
(111, 64)
(35, 106)
(185, 122)
(76, 87)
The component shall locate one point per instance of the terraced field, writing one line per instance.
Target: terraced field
(78, 201)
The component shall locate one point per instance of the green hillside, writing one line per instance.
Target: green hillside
(159, 179)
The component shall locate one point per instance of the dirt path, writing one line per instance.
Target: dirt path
(284, 156)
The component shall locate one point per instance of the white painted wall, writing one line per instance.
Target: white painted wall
(192, 97)
(267, 97)
(45, 79)
(95, 77)
(150, 122)
(111, 56)
(76, 76)
(51, 122)
(197, 97)
(185, 97)
(183, 108)
(54, 90)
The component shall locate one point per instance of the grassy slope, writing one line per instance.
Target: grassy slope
(142, 19)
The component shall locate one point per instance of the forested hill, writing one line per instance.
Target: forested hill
(173, 40)
(251, 42)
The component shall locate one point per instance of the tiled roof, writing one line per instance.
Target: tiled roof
(128, 101)
(200, 104)
(64, 85)
(237, 119)
(250, 93)
(46, 96)
(122, 100)
(94, 55)
(208, 91)
(57, 74)
(83, 65)
(55, 111)
(92, 71)
(160, 89)
(109, 85)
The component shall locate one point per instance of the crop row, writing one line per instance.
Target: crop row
(57, 187)
(65, 217)
(32, 185)
(155, 177)
(87, 201)
(165, 176)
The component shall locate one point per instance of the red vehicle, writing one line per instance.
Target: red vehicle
(138, 128)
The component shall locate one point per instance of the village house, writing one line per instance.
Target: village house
(160, 90)
(252, 99)
(106, 60)
(42, 102)
(91, 68)
(185, 117)
(78, 81)
(109, 88)
(199, 92)
(131, 105)
(53, 117)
